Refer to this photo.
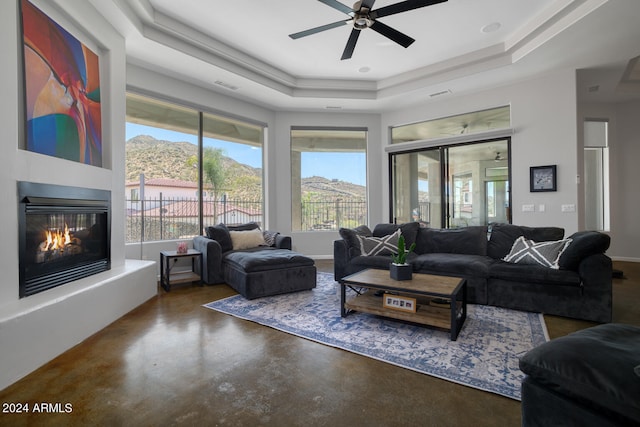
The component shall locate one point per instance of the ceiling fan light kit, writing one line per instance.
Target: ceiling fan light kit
(363, 17)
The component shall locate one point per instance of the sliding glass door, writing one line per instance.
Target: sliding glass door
(417, 187)
(452, 186)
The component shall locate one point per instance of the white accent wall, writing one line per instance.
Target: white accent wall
(543, 119)
(35, 329)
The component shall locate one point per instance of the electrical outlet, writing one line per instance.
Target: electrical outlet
(528, 208)
(568, 208)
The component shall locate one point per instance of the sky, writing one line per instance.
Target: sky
(348, 167)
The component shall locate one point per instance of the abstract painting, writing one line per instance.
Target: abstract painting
(62, 91)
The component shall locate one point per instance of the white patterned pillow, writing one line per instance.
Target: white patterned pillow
(546, 254)
(386, 245)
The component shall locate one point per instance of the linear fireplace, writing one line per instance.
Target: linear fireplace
(64, 234)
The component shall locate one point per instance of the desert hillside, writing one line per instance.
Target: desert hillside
(165, 159)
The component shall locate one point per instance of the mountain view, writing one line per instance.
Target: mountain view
(165, 159)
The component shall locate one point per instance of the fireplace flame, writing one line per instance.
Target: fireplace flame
(56, 239)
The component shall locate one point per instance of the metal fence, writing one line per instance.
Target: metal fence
(332, 214)
(167, 218)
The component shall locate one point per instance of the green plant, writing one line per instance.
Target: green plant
(401, 257)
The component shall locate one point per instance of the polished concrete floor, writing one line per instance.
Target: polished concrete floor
(173, 362)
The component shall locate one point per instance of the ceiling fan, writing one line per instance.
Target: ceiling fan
(362, 16)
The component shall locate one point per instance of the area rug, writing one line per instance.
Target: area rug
(485, 355)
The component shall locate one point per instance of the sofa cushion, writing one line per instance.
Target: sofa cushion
(246, 239)
(502, 237)
(583, 244)
(378, 261)
(467, 240)
(387, 245)
(409, 230)
(220, 233)
(546, 254)
(453, 264)
(533, 274)
(266, 258)
(594, 365)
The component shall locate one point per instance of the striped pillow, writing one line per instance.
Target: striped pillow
(546, 254)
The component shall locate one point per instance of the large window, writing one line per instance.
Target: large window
(186, 169)
(328, 176)
(452, 186)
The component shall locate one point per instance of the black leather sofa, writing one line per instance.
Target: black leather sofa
(257, 271)
(580, 288)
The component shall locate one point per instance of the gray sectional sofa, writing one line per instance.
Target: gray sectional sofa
(577, 286)
(270, 268)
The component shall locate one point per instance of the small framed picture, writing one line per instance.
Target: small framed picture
(397, 302)
(542, 178)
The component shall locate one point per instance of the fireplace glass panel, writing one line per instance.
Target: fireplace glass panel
(64, 235)
(57, 241)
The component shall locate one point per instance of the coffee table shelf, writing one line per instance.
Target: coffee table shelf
(425, 314)
(423, 287)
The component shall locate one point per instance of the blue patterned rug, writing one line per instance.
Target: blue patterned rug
(485, 355)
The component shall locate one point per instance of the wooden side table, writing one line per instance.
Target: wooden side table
(168, 278)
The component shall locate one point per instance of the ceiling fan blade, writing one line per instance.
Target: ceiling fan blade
(318, 29)
(338, 6)
(367, 3)
(351, 44)
(403, 7)
(390, 33)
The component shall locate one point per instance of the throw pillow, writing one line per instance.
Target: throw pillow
(408, 229)
(349, 235)
(270, 237)
(220, 233)
(387, 245)
(546, 254)
(246, 239)
(583, 244)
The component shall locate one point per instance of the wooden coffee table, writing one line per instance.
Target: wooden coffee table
(427, 299)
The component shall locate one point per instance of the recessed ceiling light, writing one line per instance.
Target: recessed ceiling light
(364, 69)
(490, 28)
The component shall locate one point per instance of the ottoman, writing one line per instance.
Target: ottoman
(588, 378)
(265, 272)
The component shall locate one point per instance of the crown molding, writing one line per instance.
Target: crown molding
(169, 32)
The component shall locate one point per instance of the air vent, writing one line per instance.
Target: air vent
(226, 85)
(333, 107)
(444, 92)
(594, 88)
